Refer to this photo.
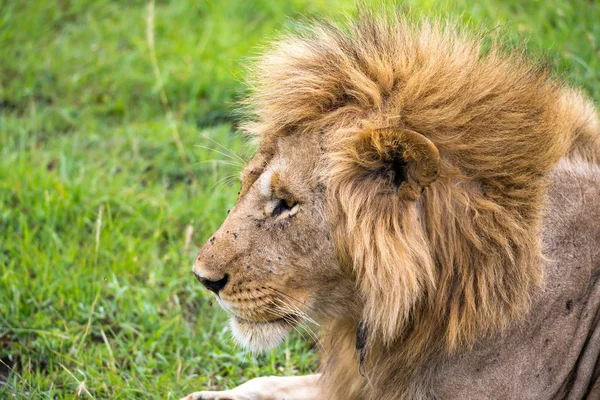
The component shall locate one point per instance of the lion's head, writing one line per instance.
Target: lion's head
(273, 261)
(398, 183)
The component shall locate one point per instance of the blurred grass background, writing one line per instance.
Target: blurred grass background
(105, 197)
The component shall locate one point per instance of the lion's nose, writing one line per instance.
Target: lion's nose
(213, 286)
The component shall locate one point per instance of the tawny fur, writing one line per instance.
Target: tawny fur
(460, 262)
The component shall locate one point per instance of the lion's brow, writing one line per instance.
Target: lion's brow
(279, 187)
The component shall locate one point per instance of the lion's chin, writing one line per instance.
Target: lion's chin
(259, 336)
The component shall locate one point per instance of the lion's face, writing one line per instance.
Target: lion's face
(273, 262)
(301, 242)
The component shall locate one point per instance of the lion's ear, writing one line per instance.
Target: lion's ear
(375, 178)
(400, 160)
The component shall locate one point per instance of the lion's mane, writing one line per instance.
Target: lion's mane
(460, 263)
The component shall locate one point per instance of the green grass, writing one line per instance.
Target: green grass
(97, 199)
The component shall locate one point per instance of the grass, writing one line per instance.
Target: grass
(105, 198)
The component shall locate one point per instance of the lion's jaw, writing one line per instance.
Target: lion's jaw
(276, 250)
(253, 333)
(259, 336)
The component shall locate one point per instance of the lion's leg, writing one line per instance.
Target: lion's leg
(268, 388)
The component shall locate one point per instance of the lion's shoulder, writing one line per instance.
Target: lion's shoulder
(563, 312)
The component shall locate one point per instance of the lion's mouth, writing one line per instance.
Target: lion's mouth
(286, 319)
(265, 329)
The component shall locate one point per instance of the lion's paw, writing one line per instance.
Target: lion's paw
(227, 395)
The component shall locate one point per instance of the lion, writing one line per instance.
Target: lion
(431, 201)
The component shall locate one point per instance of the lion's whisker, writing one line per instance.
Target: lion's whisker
(234, 164)
(302, 322)
(287, 318)
(286, 295)
(295, 307)
(284, 309)
(292, 324)
(221, 153)
(223, 181)
(225, 148)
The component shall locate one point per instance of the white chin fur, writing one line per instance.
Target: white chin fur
(258, 336)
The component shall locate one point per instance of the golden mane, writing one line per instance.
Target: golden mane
(461, 261)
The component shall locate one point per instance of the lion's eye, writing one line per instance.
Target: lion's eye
(283, 205)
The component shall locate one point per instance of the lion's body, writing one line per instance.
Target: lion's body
(552, 353)
(410, 183)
